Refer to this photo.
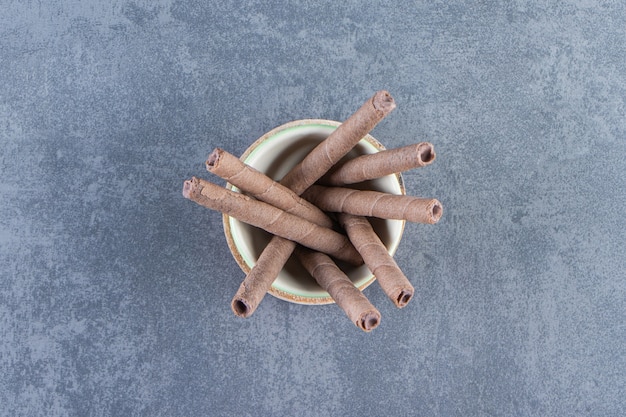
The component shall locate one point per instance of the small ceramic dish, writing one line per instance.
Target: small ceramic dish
(274, 154)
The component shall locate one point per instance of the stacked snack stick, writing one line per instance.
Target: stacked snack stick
(278, 208)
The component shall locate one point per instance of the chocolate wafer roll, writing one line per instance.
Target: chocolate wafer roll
(379, 164)
(375, 204)
(262, 187)
(340, 142)
(271, 219)
(351, 300)
(391, 279)
(256, 284)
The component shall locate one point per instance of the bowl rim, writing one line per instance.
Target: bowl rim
(230, 240)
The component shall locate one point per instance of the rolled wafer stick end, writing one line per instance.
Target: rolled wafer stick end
(241, 308)
(190, 187)
(426, 153)
(436, 211)
(404, 297)
(383, 102)
(368, 321)
(213, 159)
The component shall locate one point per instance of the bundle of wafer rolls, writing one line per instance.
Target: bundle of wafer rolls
(302, 209)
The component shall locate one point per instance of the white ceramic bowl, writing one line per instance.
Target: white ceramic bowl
(274, 154)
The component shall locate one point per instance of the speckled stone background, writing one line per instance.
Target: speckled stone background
(115, 290)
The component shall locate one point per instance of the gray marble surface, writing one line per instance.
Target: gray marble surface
(115, 290)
